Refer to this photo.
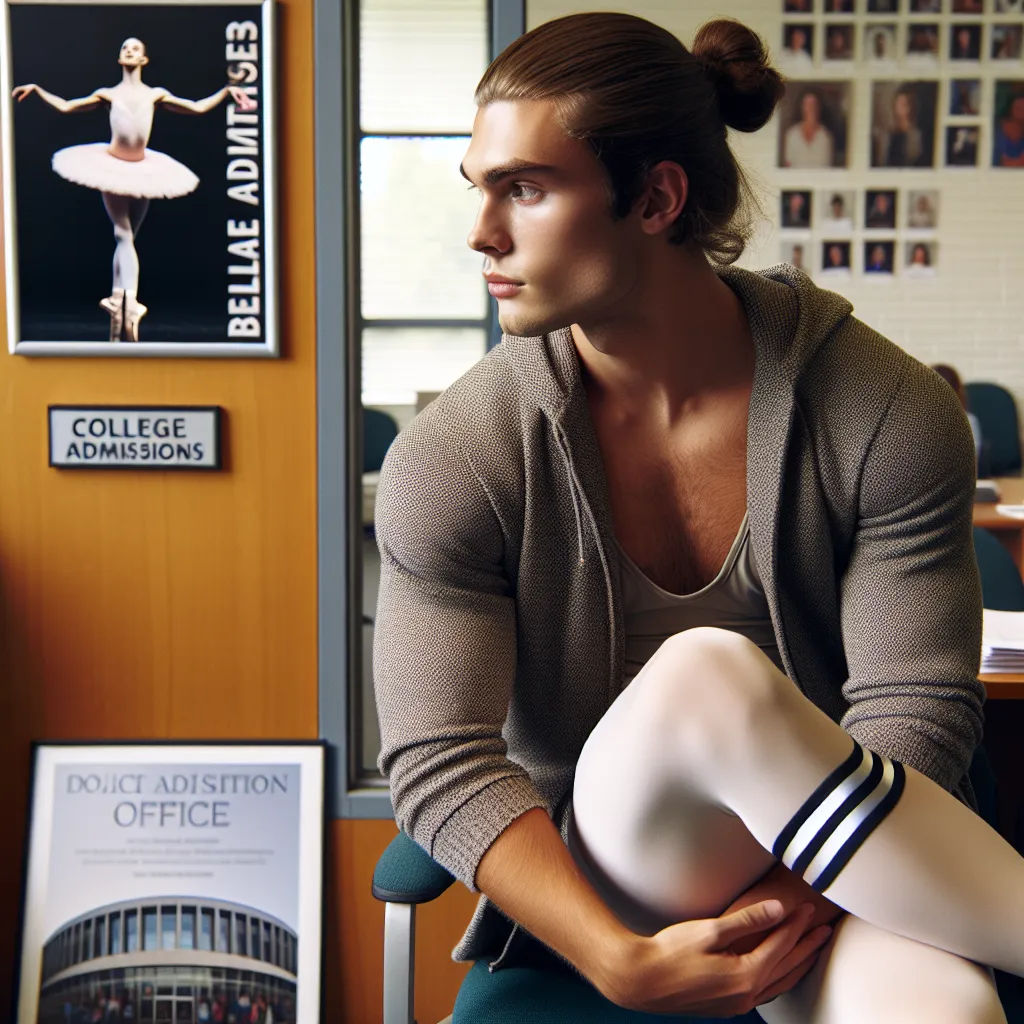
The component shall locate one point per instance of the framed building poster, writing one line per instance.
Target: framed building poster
(139, 177)
(173, 882)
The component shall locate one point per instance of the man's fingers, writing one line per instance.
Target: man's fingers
(806, 949)
(778, 943)
(758, 917)
(788, 981)
(792, 969)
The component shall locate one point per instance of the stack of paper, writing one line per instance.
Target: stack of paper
(987, 491)
(1002, 641)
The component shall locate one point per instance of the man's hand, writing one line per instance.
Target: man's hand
(692, 968)
(791, 891)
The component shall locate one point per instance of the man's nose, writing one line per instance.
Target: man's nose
(488, 232)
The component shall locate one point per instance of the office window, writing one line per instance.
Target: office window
(99, 936)
(115, 933)
(416, 212)
(254, 939)
(424, 313)
(241, 947)
(419, 63)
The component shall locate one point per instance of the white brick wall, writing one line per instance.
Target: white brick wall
(971, 314)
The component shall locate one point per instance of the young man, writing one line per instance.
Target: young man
(641, 560)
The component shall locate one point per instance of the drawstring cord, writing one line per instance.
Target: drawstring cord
(574, 486)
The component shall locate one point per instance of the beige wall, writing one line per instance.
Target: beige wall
(972, 313)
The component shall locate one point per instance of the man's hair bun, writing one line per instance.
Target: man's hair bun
(736, 60)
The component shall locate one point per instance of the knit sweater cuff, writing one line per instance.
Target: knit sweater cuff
(461, 842)
(911, 748)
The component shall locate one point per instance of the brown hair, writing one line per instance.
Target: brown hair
(639, 96)
(952, 378)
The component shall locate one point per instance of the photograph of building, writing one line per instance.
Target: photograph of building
(183, 960)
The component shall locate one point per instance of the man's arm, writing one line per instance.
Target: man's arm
(911, 596)
(444, 666)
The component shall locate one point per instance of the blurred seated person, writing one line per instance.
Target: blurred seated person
(952, 378)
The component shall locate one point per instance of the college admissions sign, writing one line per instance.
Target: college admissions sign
(135, 437)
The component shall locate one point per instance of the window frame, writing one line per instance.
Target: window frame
(339, 422)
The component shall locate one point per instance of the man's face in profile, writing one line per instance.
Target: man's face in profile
(547, 223)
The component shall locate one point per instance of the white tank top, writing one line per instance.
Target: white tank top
(734, 600)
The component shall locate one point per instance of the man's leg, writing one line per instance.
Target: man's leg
(711, 723)
(867, 975)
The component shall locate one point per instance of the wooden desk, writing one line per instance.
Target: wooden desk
(1004, 686)
(1009, 531)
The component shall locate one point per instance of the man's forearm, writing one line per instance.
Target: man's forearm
(531, 876)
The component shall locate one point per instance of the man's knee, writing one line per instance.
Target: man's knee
(708, 676)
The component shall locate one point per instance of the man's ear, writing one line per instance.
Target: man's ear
(664, 197)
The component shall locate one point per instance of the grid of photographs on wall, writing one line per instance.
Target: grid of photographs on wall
(945, 90)
(877, 232)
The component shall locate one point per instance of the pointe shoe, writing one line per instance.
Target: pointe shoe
(114, 305)
(134, 311)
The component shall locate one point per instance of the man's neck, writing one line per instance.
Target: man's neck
(683, 339)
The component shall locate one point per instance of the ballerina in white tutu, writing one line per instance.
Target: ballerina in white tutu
(125, 172)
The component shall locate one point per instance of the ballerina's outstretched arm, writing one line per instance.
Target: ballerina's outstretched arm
(89, 102)
(183, 106)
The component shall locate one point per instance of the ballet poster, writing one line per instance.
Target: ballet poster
(139, 179)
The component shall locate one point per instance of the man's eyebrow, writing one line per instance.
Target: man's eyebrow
(496, 174)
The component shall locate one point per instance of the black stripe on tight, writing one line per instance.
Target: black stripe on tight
(851, 803)
(866, 827)
(846, 769)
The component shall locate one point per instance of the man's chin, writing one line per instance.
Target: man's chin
(523, 326)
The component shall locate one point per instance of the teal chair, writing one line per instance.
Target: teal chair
(1001, 586)
(379, 430)
(996, 410)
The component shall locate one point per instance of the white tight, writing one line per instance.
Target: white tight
(685, 785)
